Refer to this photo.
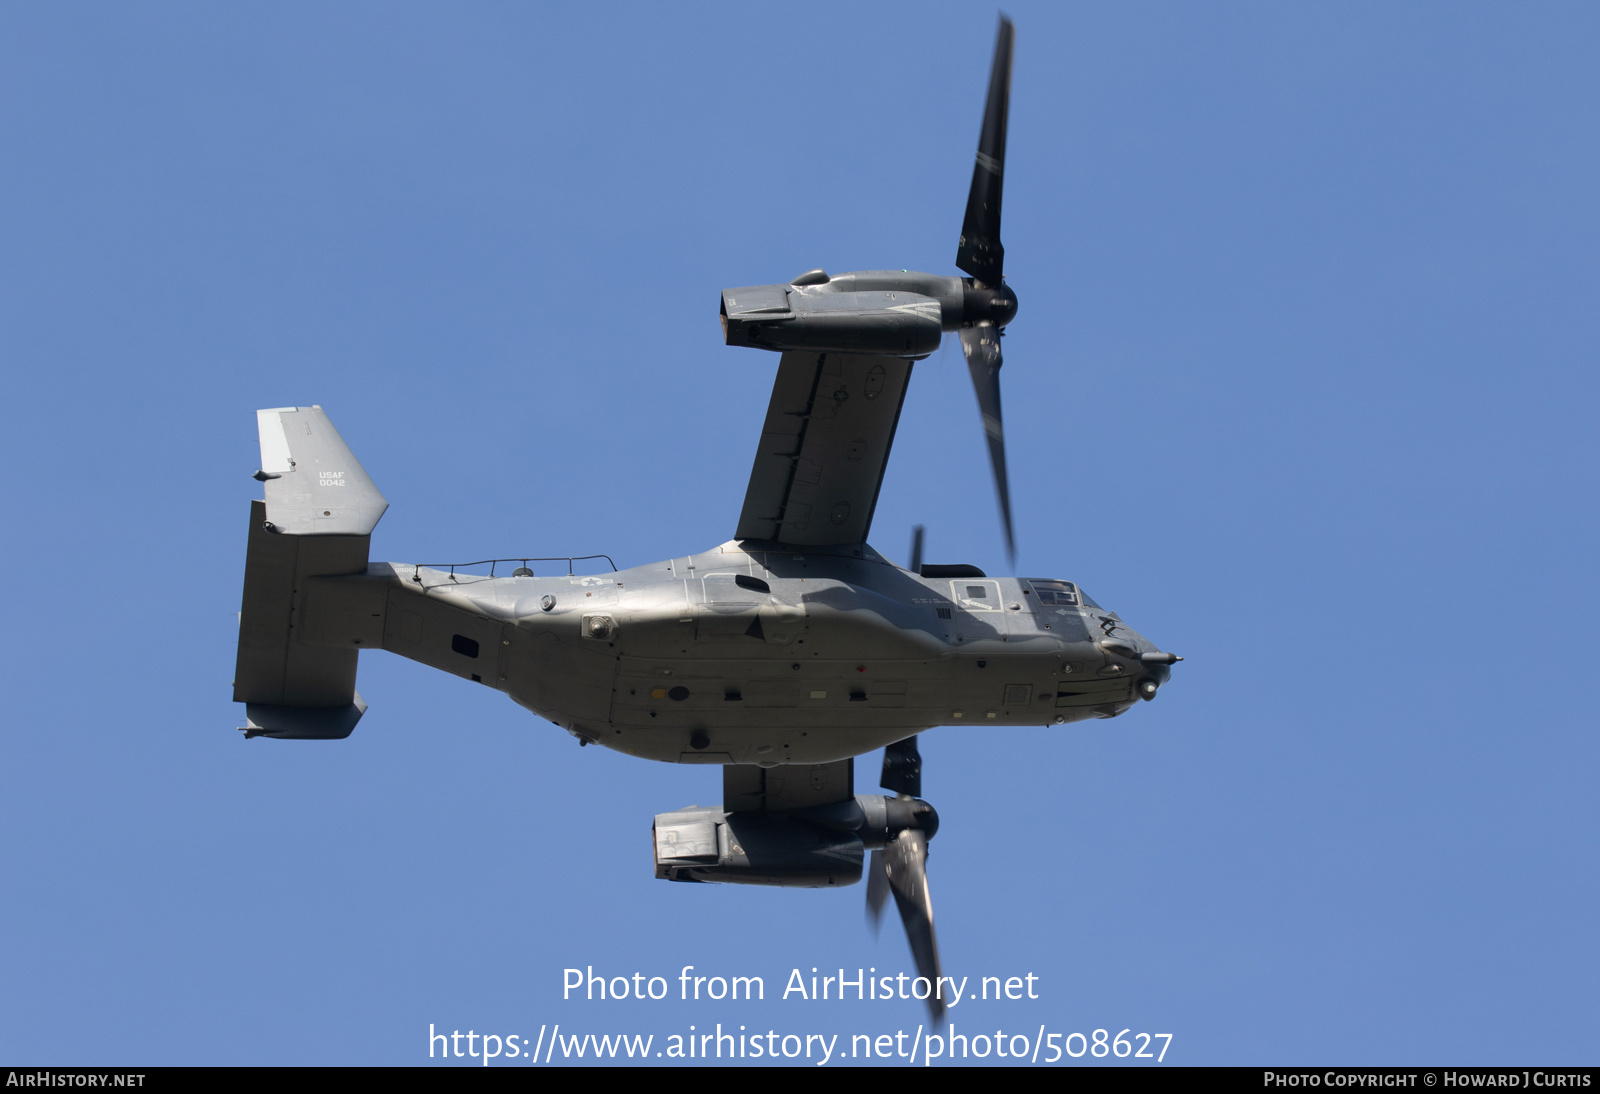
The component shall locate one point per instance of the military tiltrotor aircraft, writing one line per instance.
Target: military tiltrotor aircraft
(778, 656)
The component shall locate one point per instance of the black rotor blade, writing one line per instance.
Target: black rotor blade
(877, 890)
(906, 864)
(902, 768)
(979, 252)
(916, 549)
(981, 344)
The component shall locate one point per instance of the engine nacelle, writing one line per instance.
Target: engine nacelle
(755, 849)
(810, 848)
(894, 323)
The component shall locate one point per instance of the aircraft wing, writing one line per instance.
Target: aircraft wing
(824, 448)
(787, 786)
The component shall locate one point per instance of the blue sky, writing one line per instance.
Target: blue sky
(1302, 384)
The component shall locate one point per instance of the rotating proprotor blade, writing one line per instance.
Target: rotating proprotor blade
(981, 345)
(980, 253)
(877, 890)
(905, 863)
(902, 768)
(901, 867)
(990, 304)
(902, 773)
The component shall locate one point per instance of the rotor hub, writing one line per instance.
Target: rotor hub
(903, 813)
(982, 304)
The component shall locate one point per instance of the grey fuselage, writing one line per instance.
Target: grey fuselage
(751, 653)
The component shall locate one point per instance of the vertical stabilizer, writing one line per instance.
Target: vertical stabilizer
(316, 521)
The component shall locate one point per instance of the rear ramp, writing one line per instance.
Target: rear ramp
(296, 671)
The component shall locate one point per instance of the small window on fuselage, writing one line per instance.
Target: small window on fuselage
(1054, 593)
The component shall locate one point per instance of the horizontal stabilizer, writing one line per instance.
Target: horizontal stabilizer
(314, 484)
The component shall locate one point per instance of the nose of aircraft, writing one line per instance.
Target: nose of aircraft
(1154, 666)
(1157, 669)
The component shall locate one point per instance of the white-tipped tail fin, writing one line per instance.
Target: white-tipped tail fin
(315, 486)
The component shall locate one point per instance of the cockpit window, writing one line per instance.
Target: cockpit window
(1053, 593)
